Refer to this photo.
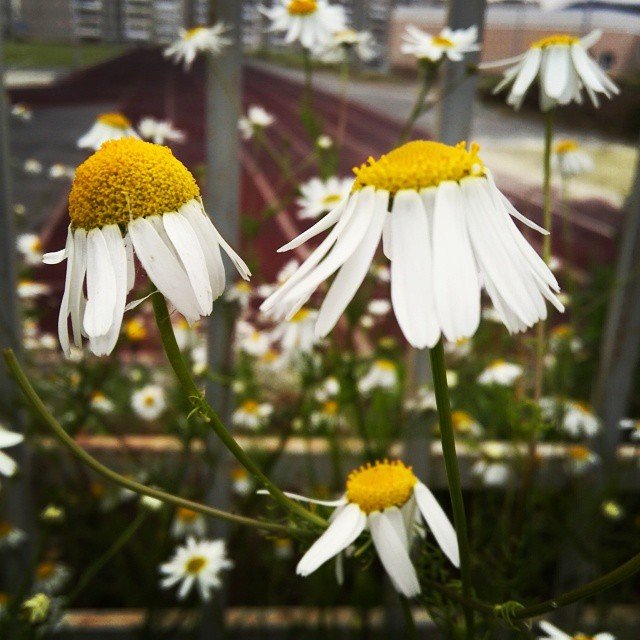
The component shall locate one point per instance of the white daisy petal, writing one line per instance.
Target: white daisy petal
(101, 286)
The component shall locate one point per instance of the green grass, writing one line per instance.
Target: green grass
(50, 55)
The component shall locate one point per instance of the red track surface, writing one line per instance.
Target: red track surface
(142, 83)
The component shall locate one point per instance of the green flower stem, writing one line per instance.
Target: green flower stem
(97, 566)
(342, 115)
(427, 73)
(279, 159)
(56, 428)
(195, 395)
(441, 389)
(410, 623)
(307, 111)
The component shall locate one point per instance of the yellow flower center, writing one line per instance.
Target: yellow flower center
(270, 356)
(331, 199)
(195, 565)
(135, 330)
(128, 179)
(242, 286)
(116, 120)
(302, 7)
(330, 408)
(45, 570)
(557, 39)
(582, 406)
(380, 486)
(385, 365)
(238, 473)
(5, 529)
(250, 406)
(496, 364)
(582, 636)
(462, 421)
(562, 331)
(418, 165)
(300, 315)
(564, 146)
(186, 515)
(192, 32)
(149, 401)
(579, 452)
(441, 41)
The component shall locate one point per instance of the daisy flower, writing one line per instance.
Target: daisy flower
(136, 330)
(252, 341)
(327, 415)
(108, 126)
(312, 22)
(576, 418)
(139, 189)
(383, 374)
(188, 523)
(29, 246)
(459, 349)
(389, 501)
(251, 414)
(564, 335)
(101, 403)
(8, 466)
(328, 389)
(632, 426)
(21, 111)
(465, 425)
(570, 159)
(211, 40)
(318, 196)
(448, 43)
(563, 67)
(423, 400)
(196, 563)
(32, 166)
(343, 42)
(10, 536)
(159, 131)
(296, 335)
(449, 229)
(239, 292)
(553, 633)
(492, 468)
(241, 482)
(28, 289)
(59, 170)
(257, 119)
(149, 402)
(50, 577)
(379, 307)
(501, 373)
(324, 142)
(186, 336)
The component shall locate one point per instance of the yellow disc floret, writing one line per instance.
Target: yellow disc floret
(418, 165)
(116, 120)
(441, 41)
(189, 33)
(127, 179)
(380, 486)
(331, 199)
(564, 146)
(195, 565)
(557, 39)
(302, 7)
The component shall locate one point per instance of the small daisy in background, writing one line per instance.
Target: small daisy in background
(570, 160)
(328, 415)
(100, 403)
(345, 42)
(563, 68)
(58, 171)
(32, 166)
(160, 131)
(50, 577)
(29, 246)
(252, 414)
(188, 523)
(135, 329)
(379, 307)
(108, 126)
(501, 373)
(10, 536)
(241, 482)
(450, 44)
(318, 196)
(492, 468)
(186, 335)
(328, 389)
(324, 142)
(239, 292)
(252, 341)
(383, 374)
(149, 402)
(553, 633)
(8, 439)
(580, 459)
(423, 400)
(388, 500)
(211, 40)
(465, 425)
(28, 289)
(563, 335)
(631, 426)
(311, 22)
(296, 335)
(196, 564)
(256, 120)
(459, 349)
(612, 510)
(574, 418)
(21, 111)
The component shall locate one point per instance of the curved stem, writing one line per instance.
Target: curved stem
(56, 428)
(196, 397)
(441, 389)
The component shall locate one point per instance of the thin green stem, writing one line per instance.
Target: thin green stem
(410, 623)
(447, 437)
(97, 566)
(280, 160)
(307, 113)
(424, 77)
(342, 115)
(56, 428)
(195, 395)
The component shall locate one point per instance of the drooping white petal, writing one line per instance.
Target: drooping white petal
(8, 465)
(101, 286)
(63, 316)
(438, 522)
(526, 75)
(55, 257)
(237, 261)
(556, 70)
(345, 529)
(394, 555)
(585, 70)
(131, 264)
(296, 496)
(76, 294)
(552, 631)
(591, 38)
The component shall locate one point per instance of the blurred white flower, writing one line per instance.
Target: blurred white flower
(32, 166)
(160, 131)
(318, 196)
(10, 536)
(8, 466)
(423, 400)
(612, 510)
(563, 335)
(460, 348)
(28, 289)
(283, 548)
(632, 425)
(296, 335)
(257, 119)
(211, 40)
(381, 272)
(186, 335)
(251, 414)
(149, 402)
(570, 160)
(241, 482)
(379, 307)
(448, 43)
(328, 389)
(312, 22)
(324, 141)
(188, 523)
(501, 373)
(108, 126)
(252, 341)
(21, 111)
(327, 415)
(50, 577)
(59, 170)
(101, 403)
(344, 41)
(239, 292)
(196, 563)
(465, 425)
(383, 374)
(29, 246)
(493, 467)
(553, 633)
(576, 418)
(563, 67)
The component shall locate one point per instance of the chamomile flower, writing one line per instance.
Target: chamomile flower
(257, 119)
(632, 426)
(327, 415)
(239, 292)
(492, 468)
(99, 402)
(139, 189)
(241, 482)
(345, 41)
(21, 111)
(324, 142)
(32, 166)
(563, 67)
(160, 131)
(8, 466)
(318, 196)
(251, 340)
(251, 414)
(108, 126)
(50, 577)
(296, 335)
(553, 633)
(383, 374)
(570, 160)
(196, 563)
(10, 536)
(186, 336)
(465, 425)
(312, 22)
(448, 43)
(501, 373)
(580, 459)
(28, 289)
(29, 246)
(379, 307)
(389, 501)
(149, 402)
(423, 400)
(449, 229)
(188, 523)
(328, 389)
(191, 42)
(460, 348)
(575, 418)
(135, 330)
(59, 170)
